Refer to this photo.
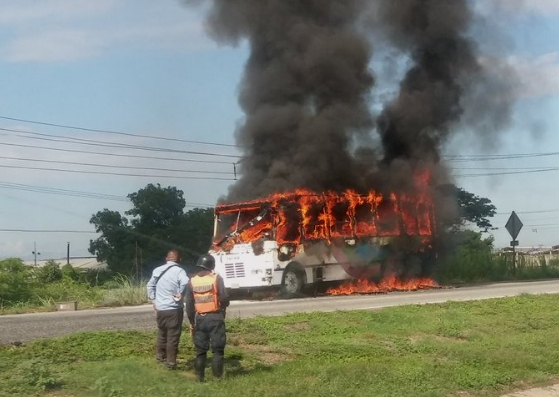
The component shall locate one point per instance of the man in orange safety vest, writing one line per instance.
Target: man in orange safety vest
(205, 301)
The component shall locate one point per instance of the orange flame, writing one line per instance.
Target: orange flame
(306, 215)
(388, 284)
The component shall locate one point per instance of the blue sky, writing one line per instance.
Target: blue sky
(147, 68)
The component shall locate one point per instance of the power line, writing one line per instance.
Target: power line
(497, 168)
(89, 142)
(482, 157)
(115, 154)
(116, 173)
(116, 132)
(451, 157)
(117, 166)
(64, 192)
(529, 212)
(509, 173)
(78, 193)
(46, 231)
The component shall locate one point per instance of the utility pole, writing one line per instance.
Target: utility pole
(68, 253)
(34, 252)
(136, 260)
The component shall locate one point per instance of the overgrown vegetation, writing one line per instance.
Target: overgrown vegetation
(481, 348)
(24, 288)
(473, 260)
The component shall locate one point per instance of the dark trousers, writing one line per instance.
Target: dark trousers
(169, 328)
(210, 332)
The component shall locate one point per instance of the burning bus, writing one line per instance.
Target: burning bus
(302, 238)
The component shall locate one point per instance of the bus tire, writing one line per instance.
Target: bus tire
(293, 280)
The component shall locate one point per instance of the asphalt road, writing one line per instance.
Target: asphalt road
(25, 327)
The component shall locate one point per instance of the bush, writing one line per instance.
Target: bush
(66, 290)
(70, 273)
(94, 277)
(473, 260)
(49, 273)
(15, 281)
(125, 291)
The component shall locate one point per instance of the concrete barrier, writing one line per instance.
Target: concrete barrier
(67, 306)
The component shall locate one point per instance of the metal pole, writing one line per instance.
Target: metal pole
(35, 252)
(514, 259)
(68, 254)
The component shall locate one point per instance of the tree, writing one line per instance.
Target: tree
(471, 260)
(116, 245)
(15, 285)
(49, 273)
(464, 254)
(158, 223)
(156, 208)
(471, 208)
(195, 233)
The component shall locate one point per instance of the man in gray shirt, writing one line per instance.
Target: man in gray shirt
(165, 290)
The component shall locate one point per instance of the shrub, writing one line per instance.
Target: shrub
(472, 259)
(15, 281)
(38, 375)
(69, 272)
(49, 273)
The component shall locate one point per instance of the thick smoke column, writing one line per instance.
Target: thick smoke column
(304, 92)
(433, 33)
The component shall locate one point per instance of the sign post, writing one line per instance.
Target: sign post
(513, 226)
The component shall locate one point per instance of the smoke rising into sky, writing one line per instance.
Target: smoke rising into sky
(307, 87)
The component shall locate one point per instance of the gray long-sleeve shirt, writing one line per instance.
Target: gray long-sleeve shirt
(161, 289)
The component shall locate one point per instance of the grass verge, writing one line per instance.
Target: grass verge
(483, 348)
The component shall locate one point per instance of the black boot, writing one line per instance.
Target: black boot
(217, 366)
(200, 367)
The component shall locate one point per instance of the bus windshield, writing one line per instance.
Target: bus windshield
(242, 225)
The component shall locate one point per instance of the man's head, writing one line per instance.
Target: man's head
(206, 262)
(173, 256)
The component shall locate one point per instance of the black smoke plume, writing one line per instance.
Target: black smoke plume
(307, 87)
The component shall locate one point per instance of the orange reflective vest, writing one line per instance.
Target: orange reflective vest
(204, 289)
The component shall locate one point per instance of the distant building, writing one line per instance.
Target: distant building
(534, 255)
(78, 262)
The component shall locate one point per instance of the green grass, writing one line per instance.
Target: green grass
(483, 348)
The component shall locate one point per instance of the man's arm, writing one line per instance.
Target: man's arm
(183, 281)
(222, 293)
(151, 288)
(189, 303)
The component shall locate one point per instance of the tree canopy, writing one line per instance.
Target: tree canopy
(157, 223)
(471, 208)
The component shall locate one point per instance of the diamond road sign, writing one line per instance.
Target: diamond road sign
(514, 225)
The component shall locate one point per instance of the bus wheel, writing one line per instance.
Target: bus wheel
(293, 280)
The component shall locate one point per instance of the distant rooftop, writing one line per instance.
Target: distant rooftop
(540, 249)
(79, 262)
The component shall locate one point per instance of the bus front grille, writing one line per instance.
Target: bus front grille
(234, 270)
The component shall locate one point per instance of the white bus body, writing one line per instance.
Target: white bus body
(281, 242)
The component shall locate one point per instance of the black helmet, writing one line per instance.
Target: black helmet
(206, 262)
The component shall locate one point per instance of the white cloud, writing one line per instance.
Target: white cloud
(61, 45)
(27, 11)
(539, 77)
(546, 7)
(63, 30)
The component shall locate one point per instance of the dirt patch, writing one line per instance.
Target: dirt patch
(263, 353)
(549, 388)
(418, 338)
(462, 394)
(297, 327)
